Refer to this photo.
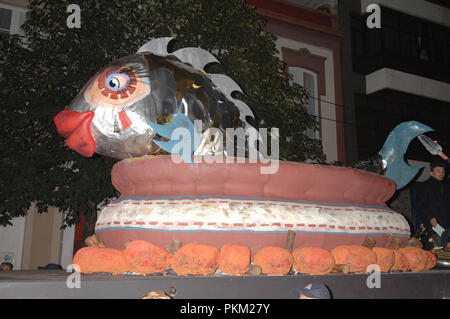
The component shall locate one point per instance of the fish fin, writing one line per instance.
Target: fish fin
(196, 57)
(394, 149)
(156, 46)
(182, 135)
(227, 86)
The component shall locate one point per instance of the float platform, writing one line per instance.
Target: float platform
(52, 284)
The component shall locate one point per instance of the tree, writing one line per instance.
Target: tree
(37, 80)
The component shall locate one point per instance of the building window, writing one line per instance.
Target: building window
(402, 36)
(308, 80)
(11, 19)
(5, 20)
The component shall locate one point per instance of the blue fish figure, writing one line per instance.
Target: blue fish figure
(182, 135)
(395, 148)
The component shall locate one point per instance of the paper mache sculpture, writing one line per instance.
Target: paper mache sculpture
(130, 110)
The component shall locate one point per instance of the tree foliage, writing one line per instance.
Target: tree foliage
(37, 81)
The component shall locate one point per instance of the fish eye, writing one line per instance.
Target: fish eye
(114, 83)
(115, 87)
(117, 81)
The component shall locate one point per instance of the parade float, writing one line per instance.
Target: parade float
(199, 194)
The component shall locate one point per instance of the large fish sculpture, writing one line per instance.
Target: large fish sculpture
(120, 110)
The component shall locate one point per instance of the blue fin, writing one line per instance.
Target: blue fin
(395, 148)
(177, 144)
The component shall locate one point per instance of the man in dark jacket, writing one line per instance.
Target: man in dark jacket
(433, 202)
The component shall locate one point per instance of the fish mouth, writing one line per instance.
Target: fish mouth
(75, 128)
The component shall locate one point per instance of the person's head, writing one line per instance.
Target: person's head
(6, 266)
(312, 291)
(438, 171)
(50, 267)
(155, 295)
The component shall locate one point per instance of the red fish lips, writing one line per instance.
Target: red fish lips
(75, 127)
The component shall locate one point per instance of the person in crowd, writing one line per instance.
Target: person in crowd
(50, 267)
(433, 202)
(5, 266)
(312, 291)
